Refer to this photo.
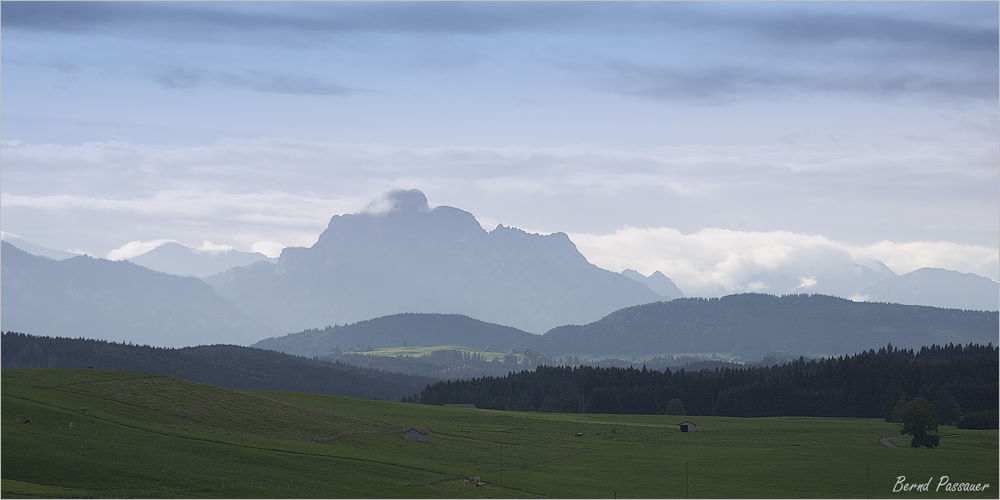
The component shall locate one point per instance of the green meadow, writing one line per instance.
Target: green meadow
(417, 351)
(149, 436)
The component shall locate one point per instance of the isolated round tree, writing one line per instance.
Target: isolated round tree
(919, 420)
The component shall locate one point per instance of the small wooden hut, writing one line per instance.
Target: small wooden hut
(416, 434)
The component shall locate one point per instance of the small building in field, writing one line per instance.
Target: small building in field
(688, 426)
(416, 434)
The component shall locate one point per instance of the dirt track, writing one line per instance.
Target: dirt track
(886, 441)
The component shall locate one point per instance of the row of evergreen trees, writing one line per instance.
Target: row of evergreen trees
(229, 366)
(869, 384)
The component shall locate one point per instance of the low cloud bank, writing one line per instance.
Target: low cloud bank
(924, 204)
(713, 261)
(136, 248)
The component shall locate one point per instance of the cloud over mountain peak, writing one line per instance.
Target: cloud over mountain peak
(399, 255)
(410, 200)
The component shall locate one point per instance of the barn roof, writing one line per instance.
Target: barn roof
(418, 429)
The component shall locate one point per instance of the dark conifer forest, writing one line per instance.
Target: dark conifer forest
(229, 366)
(869, 384)
(960, 381)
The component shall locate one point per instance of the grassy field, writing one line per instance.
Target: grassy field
(153, 437)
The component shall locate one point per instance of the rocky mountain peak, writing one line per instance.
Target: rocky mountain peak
(399, 255)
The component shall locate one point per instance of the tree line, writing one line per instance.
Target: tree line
(228, 366)
(872, 384)
(453, 364)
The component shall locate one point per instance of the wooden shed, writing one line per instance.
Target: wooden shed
(688, 426)
(416, 434)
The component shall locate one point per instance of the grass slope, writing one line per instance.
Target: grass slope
(419, 351)
(152, 437)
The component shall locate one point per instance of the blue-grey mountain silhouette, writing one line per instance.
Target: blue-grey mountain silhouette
(39, 250)
(401, 255)
(656, 282)
(174, 258)
(752, 325)
(116, 301)
(938, 288)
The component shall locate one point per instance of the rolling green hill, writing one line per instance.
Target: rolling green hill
(152, 436)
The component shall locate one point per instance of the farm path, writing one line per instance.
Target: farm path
(887, 441)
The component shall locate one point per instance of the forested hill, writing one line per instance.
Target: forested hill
(751, 325)
(415, 329)
(228, 366)
(748, 326)
(870, 384)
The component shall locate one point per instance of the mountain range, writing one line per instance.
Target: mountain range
(656, 282)
(117, 301)
(34, 249)
(175, 258)
(413, 258)
(937, 287)
(404, 257)
(168, 257)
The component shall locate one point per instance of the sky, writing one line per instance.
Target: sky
(704, 140)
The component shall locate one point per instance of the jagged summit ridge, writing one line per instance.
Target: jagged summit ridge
(657, 282)
(398, 215)
(401, 256)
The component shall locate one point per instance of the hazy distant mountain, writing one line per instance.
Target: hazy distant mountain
(938, 288)
(38, 250)
(751, 325)
(837, 276)
(656, 282)
(402, 329)
(174, 258)
(409, 257)
(117, 301)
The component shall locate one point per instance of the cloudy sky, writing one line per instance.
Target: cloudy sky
(703, 140)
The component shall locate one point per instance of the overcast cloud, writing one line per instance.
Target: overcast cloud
(704, 140)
